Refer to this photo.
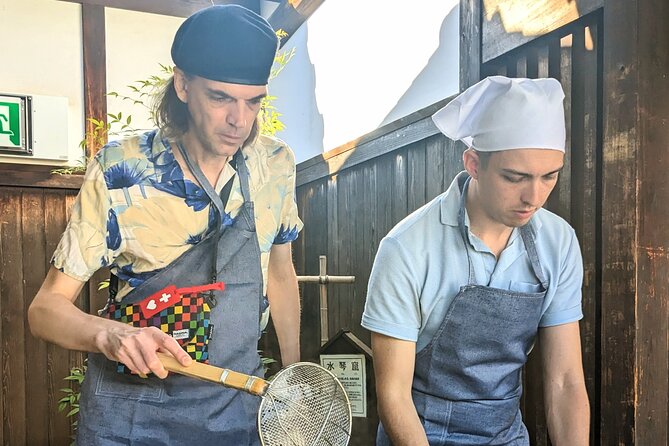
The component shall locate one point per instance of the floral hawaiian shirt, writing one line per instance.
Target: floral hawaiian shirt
(136, 213)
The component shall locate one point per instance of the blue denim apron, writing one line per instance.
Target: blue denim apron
(467, 380)
(125, 409)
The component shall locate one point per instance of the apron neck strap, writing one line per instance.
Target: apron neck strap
(242, 172)
(525, 231)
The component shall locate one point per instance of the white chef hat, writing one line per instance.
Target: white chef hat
(501, 113)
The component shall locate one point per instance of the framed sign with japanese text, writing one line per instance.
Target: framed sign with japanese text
(351, 372)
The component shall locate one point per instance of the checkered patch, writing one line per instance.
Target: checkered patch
(188, 321)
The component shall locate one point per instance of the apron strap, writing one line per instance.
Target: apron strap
(528, 239)
(463, 230)
(525, 231)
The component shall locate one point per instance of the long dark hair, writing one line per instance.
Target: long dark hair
(171, 115)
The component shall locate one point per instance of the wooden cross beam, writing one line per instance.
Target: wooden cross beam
(323, 279)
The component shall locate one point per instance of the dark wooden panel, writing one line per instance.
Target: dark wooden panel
(33, 235)
(336, 161)
(470, 43)
(585, 199)
(177, 8)
(652, 385)
(12, 303)
(290, 15)
(57, 358)
(619, 203)
(508, 24)
(95, 71)
(435, 149)
(315, 234)
(346, 197)
(30, 175)
(416, 170)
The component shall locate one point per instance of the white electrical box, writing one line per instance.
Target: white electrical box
(33, 126)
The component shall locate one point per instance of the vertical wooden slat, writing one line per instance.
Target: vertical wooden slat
(57, 357)
(347, 198)
(371, 238)
(32, 229)
(619, 220)
(399, 174)
(652, 331)
(435, 149)
(95, 71)
(542, 61)
(416, 176)
(12, 303)
(584, 202)
(521, 66)
(560, 199)
(356, 291)
(470, 42)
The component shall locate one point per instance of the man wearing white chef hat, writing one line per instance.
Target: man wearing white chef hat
(461, 289)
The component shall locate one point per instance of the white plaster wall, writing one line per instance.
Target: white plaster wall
(40, 54)
(137, 43)
(362, 64)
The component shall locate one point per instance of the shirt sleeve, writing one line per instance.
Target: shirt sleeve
(289, 222)
(393, 306)
(565, 306)
(83, 247)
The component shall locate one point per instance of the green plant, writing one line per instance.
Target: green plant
(70, 401)
(143, 92)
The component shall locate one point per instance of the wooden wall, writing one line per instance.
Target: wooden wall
(613, 62)
(32, 220)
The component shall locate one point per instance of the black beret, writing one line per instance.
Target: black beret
(226, 43)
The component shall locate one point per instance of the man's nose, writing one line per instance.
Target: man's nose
(236, 114)
(532, 193)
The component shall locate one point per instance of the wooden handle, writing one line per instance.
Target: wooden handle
(240, 381)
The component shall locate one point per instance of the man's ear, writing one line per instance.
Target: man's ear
(472, 162)
(181, 85)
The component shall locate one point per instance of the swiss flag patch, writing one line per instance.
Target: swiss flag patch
(157, 302)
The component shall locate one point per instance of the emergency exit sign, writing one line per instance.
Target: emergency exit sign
(13, 128)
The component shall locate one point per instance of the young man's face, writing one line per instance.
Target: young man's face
(516, 183)
(221, 114)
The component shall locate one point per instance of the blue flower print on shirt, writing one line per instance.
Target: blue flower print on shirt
(134, 279)
(285, 235)
(113, 232)
(195, 197)
(126, 174)
(194, 239)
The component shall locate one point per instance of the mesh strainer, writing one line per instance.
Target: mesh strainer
(304, 405)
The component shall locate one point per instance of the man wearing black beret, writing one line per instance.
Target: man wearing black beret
(195, 222)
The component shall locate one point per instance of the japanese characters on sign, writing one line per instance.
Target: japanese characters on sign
(350, 370)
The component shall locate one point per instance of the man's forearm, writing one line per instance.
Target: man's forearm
(401, 423)
(568, 416)
(284, 300)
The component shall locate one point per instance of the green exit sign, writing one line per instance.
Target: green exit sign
(14, 127)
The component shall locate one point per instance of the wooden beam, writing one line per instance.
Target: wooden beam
(619, 222)
(95, 71)
(33, 175)
(507, 24)
(176, 8)
(652, 311)
(291, 14)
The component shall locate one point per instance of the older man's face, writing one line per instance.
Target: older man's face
(222, 114)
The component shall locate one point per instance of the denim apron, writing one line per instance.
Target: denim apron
(467, 380)
(121, 409)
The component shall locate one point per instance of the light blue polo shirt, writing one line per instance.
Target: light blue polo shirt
(421, 264)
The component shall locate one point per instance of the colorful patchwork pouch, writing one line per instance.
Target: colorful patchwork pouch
(182, 313)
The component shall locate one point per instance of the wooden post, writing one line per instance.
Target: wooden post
(323, 279)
